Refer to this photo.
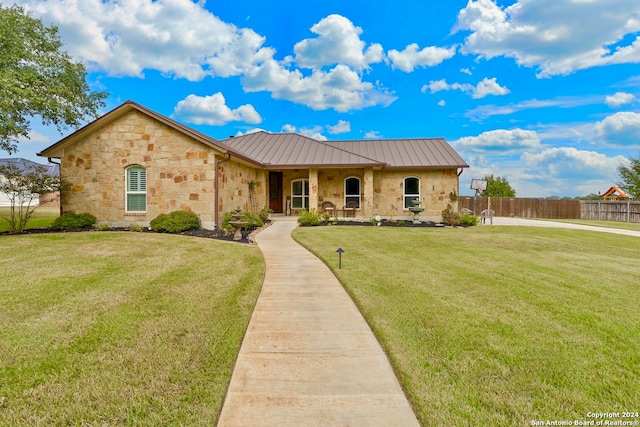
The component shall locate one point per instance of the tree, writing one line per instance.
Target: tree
(23, 188)
(630, 177)
(37, 78)
(498, 187)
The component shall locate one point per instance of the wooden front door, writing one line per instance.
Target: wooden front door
(275, 192)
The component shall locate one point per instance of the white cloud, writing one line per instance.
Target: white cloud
(411, 57)
(250, 131)
(372, 134)
(181, 39)
(177, 37)
(212, 110)
(338, 42)
(442, 103)
(557, 36)
(466, 71)
(314, 132)
(483, 88)
(340, 88)
(486, 111)
(500, 142)
(619, 98)
(34, 137)
(342, 126)
(621, 129)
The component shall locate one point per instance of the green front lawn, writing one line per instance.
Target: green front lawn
(113, 328)
(497, 325)
(42, 218)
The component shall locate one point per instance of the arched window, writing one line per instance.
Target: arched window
(300, 194)
(136, 199)
(352, 191)
(411, 191)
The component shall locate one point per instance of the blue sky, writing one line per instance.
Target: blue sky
(543, 92)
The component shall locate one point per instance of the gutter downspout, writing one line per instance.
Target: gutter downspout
(219, 162)
(59, 177)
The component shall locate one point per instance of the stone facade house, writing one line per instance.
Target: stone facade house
(132, 164)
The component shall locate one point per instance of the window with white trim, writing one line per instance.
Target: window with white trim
(352, 191)
(300, 194)
(411, 191)
(136, 197)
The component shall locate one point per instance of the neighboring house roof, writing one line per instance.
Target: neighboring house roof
(25, 165)
(615, 193)
(292, 150)
(289, 150)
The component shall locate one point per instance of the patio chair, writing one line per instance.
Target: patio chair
(328, 207)
(350, 209)
(487, 213)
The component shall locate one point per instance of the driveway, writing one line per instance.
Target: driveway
(553, 224)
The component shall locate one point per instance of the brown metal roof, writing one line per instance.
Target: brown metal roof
(290, 150)
(406, 153)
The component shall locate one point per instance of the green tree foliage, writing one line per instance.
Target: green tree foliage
(630, 177)
(23, 188)
(38, 79)
(498, 187)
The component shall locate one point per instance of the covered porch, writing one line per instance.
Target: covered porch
(290, 191)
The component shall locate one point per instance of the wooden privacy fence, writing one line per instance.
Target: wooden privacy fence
(603, 210)
(524, 208)
(610, 210)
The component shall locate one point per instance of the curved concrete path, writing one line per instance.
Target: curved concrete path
(308, 357)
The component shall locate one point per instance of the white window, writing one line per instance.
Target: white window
(352, 191)
(411, 191)
(136, 189)
(300, 194)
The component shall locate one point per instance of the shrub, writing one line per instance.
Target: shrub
(450, 217)
(307, 218)
(264, 214)
(102, 227)
(73, 221)
(175, 222)
(468, 219)
(253, 221)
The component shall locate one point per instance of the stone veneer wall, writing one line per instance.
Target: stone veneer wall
(180, 172)
(435, 187)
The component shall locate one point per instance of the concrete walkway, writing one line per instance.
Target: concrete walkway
(552, 224)
(308, 357)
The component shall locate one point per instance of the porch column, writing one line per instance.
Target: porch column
(367, 208)
(313, 189)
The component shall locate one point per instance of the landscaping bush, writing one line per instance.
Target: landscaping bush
(307, 218)
(264, 214)
(468, 219)
(73, 221)
(176, 222)
(253, 221)
(450, 217)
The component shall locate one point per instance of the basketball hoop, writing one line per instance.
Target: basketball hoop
(479, 185)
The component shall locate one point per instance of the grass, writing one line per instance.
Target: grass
(113, 328)
(42, 218)
(497, 325)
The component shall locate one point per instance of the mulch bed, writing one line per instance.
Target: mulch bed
(247, 235)
(208, 234)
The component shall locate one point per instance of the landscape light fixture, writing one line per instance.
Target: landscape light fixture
(340, 252)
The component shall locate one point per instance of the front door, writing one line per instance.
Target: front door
(275, 192)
